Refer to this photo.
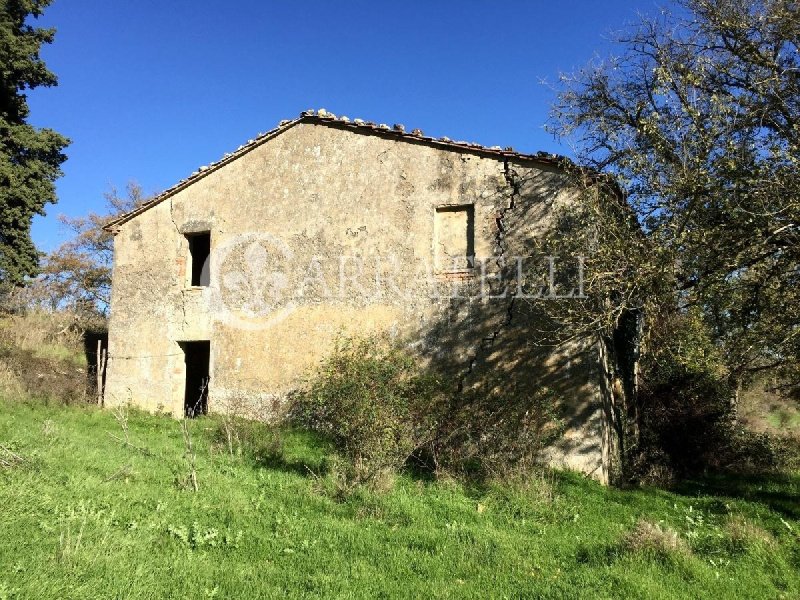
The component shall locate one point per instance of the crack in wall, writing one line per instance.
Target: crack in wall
(172, 217)
(486, 344)
(182, 291)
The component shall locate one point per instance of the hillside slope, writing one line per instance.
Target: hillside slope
(87, 514)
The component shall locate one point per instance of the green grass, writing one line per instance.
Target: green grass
(764, 409)
(84, 516)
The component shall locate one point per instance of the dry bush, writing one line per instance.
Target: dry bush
(10, 458)
(745, 535)
(29, 376)
(340, 480)
(537, 484)
(651, 538)
(11, 387)
(47, 334)
(654, 470)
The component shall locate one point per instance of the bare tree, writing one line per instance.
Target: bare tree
(77, 275)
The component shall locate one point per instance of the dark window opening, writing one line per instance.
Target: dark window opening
(196, 356)
(199, 250)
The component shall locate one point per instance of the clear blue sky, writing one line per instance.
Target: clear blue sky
(150, 90)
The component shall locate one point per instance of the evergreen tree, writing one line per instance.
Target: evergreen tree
(30, 158)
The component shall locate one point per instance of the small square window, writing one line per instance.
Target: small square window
(199, 251)
(454, 234)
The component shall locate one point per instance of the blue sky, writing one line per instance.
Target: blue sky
(150, 90)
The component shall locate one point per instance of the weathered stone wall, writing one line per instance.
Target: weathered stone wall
(283, 216)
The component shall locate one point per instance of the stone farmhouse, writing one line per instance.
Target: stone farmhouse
(238, 280)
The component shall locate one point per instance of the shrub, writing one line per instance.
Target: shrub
(42, 356)
(749, 452)
(240, 436)
(651, 538)
(57, 335)
(383, 411)
(496, 435)
(247, 427)
(686, 400)
(744, 535)
(23, 374)
(376, 404)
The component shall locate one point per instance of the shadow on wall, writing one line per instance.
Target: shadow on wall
(498, 345)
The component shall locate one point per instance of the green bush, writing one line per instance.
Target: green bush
(376, 404)
(687, 399)
(497, 435)
(383, 411)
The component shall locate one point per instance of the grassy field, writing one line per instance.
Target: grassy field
(84, 515)
(766, 411)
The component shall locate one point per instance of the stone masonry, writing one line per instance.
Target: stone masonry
(325, 227)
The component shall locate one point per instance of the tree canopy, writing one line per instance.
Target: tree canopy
(30, 158)
(698, 119)
(77, 275)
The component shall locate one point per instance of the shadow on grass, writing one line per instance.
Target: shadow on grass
(277, 462)
(308, 454)
(300, 452)
(779, 492)
(316, 462)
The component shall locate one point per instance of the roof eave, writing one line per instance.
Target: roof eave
(396, 132)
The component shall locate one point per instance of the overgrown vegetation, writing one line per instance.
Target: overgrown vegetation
(383, 412)
(42, 355)
(695, 119)
(691, 129)
(764, 407)
(375, 403)
(689, 416)
(86, 515)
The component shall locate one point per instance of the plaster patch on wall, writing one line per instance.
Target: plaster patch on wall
(454, 237)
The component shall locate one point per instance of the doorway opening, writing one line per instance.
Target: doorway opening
(196, 356)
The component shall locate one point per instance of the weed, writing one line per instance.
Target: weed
(197, 537)
(190, 457)
(654, 538)
(84, 530)
(257, 440)
(10, 458)
(744, 535)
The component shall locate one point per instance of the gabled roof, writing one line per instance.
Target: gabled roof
(323, 117)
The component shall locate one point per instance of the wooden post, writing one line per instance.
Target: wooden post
(103, 376)
(101, 369)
